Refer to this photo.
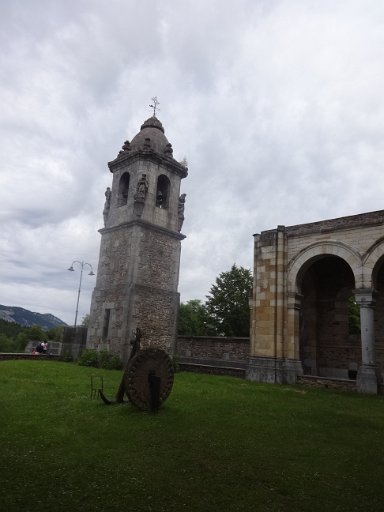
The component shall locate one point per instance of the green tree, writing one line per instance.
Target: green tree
(194, 320)
(228, 304)
(14, 337)
(54, 333)
(10, 329)
(34, 333)
(6, 344)
(353, 316)
(85, 320)
(21, 341)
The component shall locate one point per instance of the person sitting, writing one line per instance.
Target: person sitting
(40, 348)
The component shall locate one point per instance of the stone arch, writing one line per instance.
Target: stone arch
(374, 275)
(301, 262)
(372, 262)
(162, 191)
(326, 347)
(122, 197)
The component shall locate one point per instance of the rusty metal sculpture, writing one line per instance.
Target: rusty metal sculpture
(147, 378)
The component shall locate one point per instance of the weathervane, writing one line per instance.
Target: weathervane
(154, 106)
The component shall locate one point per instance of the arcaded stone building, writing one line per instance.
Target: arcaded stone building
(306, 279)
(138, 271)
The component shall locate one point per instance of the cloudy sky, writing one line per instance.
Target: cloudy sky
(277, 105)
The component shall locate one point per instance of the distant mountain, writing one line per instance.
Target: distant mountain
(28, 318)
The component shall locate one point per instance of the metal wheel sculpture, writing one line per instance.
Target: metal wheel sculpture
(149, 379)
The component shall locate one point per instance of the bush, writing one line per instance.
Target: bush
(89, 357)
(102, 359)
(109, 361)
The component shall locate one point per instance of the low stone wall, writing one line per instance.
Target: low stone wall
(213, 369)
(324, 382)
(214, 354)
(22, 355)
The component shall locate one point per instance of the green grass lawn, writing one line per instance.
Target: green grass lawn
(217, 444)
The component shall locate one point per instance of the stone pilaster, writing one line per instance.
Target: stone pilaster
(279, 296)
(272, 358)
(293, 325)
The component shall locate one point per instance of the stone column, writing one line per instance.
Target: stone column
(367, 374)
(293, 327)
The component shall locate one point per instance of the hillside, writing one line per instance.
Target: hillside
(28, 318)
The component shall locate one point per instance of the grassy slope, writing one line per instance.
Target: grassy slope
(218, 444)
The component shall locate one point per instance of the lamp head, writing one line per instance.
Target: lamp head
(71, 268)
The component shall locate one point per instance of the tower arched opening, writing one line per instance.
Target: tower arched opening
(162, 191)
(122, 197)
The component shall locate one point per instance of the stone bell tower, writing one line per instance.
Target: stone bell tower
(138, 270)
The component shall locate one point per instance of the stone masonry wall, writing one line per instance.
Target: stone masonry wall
(268, 295)
(215, 351)
(155, 313)
(362, 220)
(158, 260)
(137, 281)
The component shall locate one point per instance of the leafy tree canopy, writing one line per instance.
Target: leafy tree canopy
(10, 329)
(85, 320)
(353, 316)
(228, 302)
(55, 333)
(194, 319)
(14, 337)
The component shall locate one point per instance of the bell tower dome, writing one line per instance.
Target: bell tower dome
(138, 270)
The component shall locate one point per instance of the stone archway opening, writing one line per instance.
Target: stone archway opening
(329, 341)
(378, 284)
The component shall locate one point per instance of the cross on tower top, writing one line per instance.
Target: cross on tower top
(154, 106)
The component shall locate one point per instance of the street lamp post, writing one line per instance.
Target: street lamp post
(91, 273)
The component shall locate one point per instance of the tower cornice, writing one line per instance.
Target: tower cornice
(128, 157)
(144, 224)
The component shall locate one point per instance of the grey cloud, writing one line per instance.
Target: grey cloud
(277, 106)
